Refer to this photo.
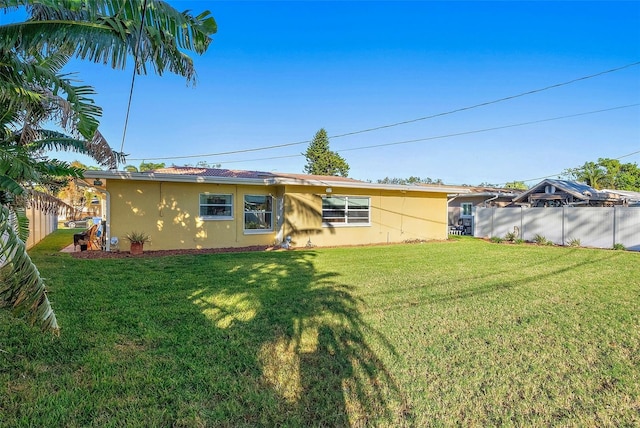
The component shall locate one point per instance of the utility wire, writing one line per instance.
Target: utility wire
(457, 134)
(555, 175)
(276, 146)
(133, 75)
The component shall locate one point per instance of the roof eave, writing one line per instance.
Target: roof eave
(141, 176)
(271, 181)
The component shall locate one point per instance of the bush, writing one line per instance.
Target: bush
(619, 247)
(510, 236)
(573, 242)
(540, 240)
(496, 239)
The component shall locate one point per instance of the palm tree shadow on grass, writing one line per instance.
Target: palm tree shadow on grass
(305, 344)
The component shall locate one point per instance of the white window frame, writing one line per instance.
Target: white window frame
(215, 217)
(463, 209)
(257, 212)
(346, 223)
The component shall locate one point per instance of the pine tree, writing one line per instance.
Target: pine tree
(321, 160)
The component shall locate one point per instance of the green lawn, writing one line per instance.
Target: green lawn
(435, 334)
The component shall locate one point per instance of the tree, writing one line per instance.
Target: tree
(518, 185)
(149, 166)
(321, 160)
(606, 174)
(33, 92)
(410, 180)
(27, 176)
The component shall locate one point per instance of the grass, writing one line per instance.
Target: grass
(434, 334)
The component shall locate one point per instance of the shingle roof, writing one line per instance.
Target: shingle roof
(578, 190)
(235, 173)
(574, 186)
(216, 175)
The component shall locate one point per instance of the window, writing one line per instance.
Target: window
(216, 207)
(345, 210)
(258, 213)
(467, 208)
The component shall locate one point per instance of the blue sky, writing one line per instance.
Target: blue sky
(277, 72)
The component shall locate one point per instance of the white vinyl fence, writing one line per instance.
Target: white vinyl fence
(40, 225)
(594, 227)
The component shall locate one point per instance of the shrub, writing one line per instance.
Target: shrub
(540, 240)
(137, 237)
(510, 236)
(619, 246)
(496, 239)
(573, 242)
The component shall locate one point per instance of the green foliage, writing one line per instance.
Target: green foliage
(33, 91)
(482, 335)
(510, 236)
(109, 31)
(574, 242)
(321, 160)
(21, 286)
(150, 166)
(541, 240)
(618, 246)
(607, 174)
(410, 180)
(137, 237)
(518, 185)
(497, 240)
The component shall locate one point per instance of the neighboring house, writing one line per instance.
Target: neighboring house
(194, 208)
(461, 205)
(557, 193)
(630, 198)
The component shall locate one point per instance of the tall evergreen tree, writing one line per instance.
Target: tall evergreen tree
(321, 160)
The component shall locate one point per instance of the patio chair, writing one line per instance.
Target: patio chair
(92, 238)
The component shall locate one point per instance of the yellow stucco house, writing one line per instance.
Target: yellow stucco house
(197, 208)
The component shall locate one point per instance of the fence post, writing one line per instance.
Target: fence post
(614, 226)
(493, 213)
(564, 218)
(521, 222)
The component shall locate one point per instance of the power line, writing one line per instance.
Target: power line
(133, 75)
(457, 134)
(555, 175)
(277, 146)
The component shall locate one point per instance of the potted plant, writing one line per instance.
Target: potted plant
(137, 240)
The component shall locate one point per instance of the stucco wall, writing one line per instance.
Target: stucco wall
(394, 217)
(169, 212)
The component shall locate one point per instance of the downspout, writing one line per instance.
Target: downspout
(493, 198)
(449, 200)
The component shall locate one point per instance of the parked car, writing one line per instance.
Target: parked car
(83, 222)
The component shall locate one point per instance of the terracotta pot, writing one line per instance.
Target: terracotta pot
(136, 248)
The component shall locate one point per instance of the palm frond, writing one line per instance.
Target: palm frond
(10, 185)
(21, 285)
(109, 31)
(20, 222)
(17, 165)
(98, 148)
(48, 204)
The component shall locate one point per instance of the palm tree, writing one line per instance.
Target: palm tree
(33, 92)
(109, 31)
